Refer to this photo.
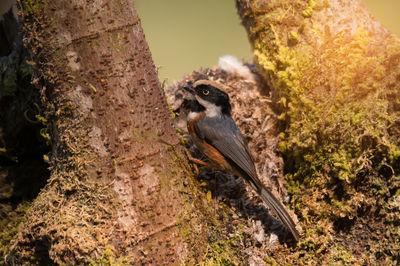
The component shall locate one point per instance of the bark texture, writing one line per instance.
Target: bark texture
(334, 72)
(120, 190)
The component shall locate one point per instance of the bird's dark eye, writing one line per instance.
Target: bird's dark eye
(206, 92)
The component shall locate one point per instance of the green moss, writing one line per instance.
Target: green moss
(32, 6)
(309, 10)
(7, 193)
(44, 133)
(10, 224)
(183, 140)
(171, 111)
(341, 257)
(41, 119)
(67, 110)
(189, 224)
(221, 253)
(293, 38)
(340, 108)
(270, 261)
(337, 132)
(8, 83)
(207, 244)
(107, 259)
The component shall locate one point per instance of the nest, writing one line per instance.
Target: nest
(253, 112)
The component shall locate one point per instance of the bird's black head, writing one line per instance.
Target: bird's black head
(208, 95)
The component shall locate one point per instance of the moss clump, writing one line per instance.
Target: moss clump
(339, 105)
(342, 128)
(10, 222)
(108, 259)
(9, 82)
(218, 250)
(307, 12)
(293, 38)
(220, 253)
(32, 6)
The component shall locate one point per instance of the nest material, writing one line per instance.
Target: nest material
(254, 115)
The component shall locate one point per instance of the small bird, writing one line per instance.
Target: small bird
(216, 135)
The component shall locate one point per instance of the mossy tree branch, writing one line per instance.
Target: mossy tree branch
(335, 77)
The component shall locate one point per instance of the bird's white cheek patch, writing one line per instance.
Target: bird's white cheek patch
(211, 109)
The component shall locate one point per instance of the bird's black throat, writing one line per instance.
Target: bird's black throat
(196, 107)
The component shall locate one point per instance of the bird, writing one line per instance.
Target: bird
(216, 135)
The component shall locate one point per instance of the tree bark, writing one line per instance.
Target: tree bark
(334, 72)
(120, 189)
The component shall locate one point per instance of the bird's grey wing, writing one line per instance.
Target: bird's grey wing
(225, 136)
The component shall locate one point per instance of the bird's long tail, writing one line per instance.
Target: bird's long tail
(280, 210)
(276, 206)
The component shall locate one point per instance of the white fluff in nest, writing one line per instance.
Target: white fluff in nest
(232, 65)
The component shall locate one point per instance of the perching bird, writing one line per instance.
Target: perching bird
(216, 135)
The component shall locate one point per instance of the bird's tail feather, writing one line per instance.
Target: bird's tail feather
(275, 205)
(280, 210)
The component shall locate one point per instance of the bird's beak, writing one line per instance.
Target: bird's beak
(189, 88)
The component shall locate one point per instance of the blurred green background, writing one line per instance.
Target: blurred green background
(185, 35)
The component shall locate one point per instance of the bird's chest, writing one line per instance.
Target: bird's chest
(192, 119)
(206, 148)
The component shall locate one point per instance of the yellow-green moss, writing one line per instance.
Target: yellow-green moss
(293, 38)
(32, 6)
(108, 259)
(309, 9)
(196, 230)
(341, 144)
(171, 111)
(341, 128)
(220, 253)
(41, 119)
(9, 226)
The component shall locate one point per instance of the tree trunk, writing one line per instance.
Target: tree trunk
(334, 72)
(120, 189)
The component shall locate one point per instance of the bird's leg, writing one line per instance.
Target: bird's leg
(189, 156)
(197, 161)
